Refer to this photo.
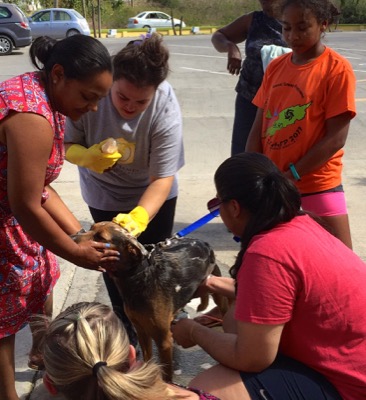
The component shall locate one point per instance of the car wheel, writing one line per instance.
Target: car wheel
(6, 45)
(72, 32)
(146, 26)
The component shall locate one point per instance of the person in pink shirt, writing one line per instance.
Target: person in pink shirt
(298, 326)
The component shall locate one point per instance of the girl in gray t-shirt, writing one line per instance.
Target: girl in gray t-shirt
(135, 186)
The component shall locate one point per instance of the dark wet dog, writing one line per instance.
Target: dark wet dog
(156, 281)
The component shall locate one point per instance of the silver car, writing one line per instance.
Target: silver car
(153, 19)
(58, 23)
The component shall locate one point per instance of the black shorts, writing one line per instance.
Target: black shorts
(287, 379)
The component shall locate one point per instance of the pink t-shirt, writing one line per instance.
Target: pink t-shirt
(300, 275)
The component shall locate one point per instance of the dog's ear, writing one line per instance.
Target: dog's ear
(134, 250)
(137, 250)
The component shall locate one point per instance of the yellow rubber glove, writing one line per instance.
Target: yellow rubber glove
(135, 222)
(92, 158)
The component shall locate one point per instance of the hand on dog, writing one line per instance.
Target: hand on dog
(182, 332)
(203, 288)
(96, 256)
(135, 222)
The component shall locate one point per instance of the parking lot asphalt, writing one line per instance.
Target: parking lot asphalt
(206, 94)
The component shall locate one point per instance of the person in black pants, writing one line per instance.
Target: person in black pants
(130, 149)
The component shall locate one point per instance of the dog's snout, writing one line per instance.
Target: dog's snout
(82, 237)
(74, 237)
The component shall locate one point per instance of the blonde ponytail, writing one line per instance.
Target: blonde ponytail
(86, 353)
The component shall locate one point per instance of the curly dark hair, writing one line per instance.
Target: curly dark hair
(323, 10)
(143, 62)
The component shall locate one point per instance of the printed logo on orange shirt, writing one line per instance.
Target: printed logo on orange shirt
(286, 117)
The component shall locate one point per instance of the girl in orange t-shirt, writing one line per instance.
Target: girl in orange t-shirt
(305, 105)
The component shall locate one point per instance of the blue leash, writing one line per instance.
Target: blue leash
(197, 224)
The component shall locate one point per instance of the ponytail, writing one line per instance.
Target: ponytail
(86, 353)
(258, 186)
(80, 56)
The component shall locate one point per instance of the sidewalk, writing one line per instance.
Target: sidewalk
(207, 131)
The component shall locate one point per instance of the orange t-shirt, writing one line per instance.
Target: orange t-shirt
(296, 101)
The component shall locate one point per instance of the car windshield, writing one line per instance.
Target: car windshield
(140, 15)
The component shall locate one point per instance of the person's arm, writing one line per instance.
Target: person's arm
(225, 40)
(156, 194)
(29, 139)
(254, 142)
(87, 155)
(60, 212)
(333, 140)
(253, 346)
(137, 220)
(93, 157)
(166, 157)
(252, 349)
(217, 284)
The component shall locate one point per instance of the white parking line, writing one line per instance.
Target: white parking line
(197, 55)
(206, 70)
(191, 47)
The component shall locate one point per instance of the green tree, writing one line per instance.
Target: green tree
(166, 3)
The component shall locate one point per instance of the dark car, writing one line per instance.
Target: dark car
(14, 28)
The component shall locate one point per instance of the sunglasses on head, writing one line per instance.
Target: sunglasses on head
(214, 204)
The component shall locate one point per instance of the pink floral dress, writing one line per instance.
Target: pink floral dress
(28, 272)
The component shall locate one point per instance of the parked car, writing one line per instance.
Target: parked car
(58, 23)
(153, 19)
(14, 28)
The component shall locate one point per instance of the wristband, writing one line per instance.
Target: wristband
(294, 172)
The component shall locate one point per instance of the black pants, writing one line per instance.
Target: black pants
(160, 228)
(245, 112)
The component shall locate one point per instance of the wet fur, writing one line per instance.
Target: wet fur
(155, 282)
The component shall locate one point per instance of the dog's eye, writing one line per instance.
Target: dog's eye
(99, 238)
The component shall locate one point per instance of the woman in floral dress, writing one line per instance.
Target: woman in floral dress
(35, 224)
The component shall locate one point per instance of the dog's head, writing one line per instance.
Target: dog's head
(132, 252)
